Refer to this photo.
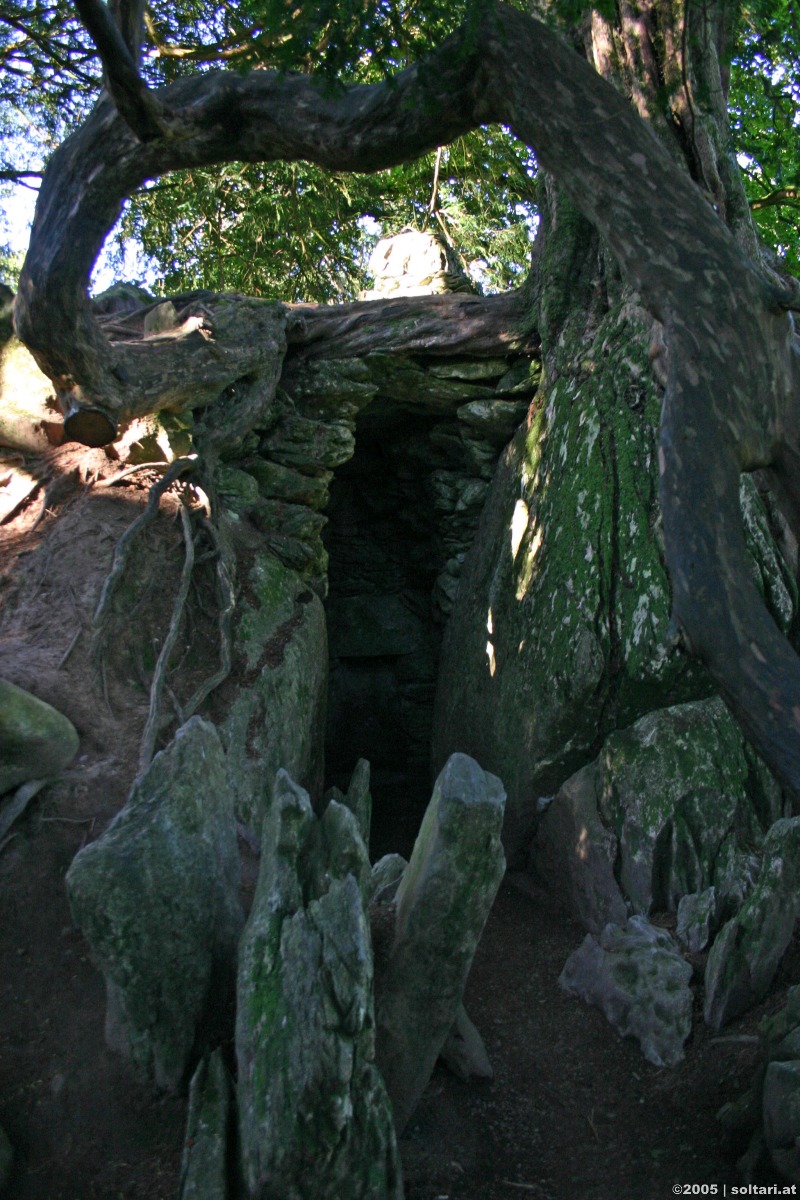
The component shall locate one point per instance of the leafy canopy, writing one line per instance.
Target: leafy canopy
(296, 232)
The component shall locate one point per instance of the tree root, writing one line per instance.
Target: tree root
(225, 577)
(159, 674)
(226, 574)
(180, 466)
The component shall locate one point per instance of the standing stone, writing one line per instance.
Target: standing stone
(157, 899)
(277, 718)
(639, 981)
(35, 740)
(442, 904)
(746, 954)
(315, 1121)
(359, 799)
(204, 1169)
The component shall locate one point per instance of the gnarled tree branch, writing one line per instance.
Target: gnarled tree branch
(731, 402)
(133, 99)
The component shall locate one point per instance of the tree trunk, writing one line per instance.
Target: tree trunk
(723, 334)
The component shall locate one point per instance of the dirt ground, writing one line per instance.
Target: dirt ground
(573, 1113)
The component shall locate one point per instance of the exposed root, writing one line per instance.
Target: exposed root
(128, 471)
(226, 575)
(179, 467)
(225, 581)
(159, 674)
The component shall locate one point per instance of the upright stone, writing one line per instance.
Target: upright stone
(746, 953)
(157, 899)
(314, 1119)
(204, 1169)
(441, 908)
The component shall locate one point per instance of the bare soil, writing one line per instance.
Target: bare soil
(573, 1112)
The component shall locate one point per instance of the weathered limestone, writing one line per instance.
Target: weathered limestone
(413, 263)
(204, 1169)
(36, 741)
(441, 907)
(277, 719)
(672, 806)
(156, 897)
(636, 976)
(697, 918)
(746, 953)
(314, 1118)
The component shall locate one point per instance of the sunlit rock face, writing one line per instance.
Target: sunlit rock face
(413, 263)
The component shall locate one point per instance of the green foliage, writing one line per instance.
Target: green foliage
(765, 110)
(296, 232)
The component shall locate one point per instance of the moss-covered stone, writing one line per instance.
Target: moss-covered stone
(204, 1167)
(314, 1119)
(36, 741)
(277, 718)
(442, 904)
(560, 632)
(276, 482)
(309, 446)
(674, 805)
(156, 897)
(746, 954)
(238, 490)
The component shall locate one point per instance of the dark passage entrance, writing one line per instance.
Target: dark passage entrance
(384, 635)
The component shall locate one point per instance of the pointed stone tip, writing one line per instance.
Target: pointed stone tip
(462, 779)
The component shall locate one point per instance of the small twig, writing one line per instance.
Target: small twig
(159, 674)
(523, 1187)
(590, 1120)
(70, 647)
